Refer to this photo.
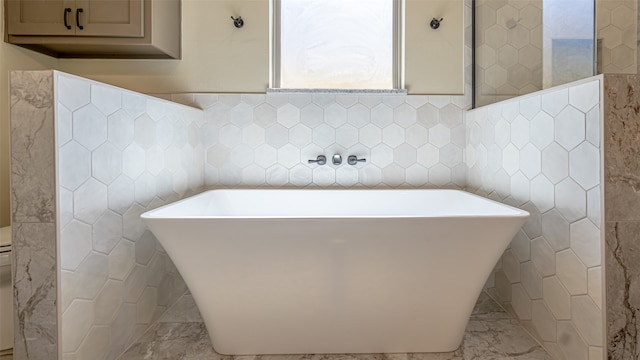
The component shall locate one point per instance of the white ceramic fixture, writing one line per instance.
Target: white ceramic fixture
(335, 271)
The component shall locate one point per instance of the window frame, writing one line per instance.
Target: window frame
(397, 53)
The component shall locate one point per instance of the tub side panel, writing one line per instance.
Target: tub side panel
(335, 285)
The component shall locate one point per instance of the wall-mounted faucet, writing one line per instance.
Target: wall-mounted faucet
(320, 160)
(336, 159)
(353, 160)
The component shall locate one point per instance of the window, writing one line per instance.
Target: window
(336, 44)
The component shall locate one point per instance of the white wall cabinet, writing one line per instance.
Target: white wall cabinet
(96, 28)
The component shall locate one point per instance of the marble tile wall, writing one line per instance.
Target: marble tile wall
(622, 214)
(34, 215)
(542, 152)
(119, 154)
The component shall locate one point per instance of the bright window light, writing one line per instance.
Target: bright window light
(336, 44)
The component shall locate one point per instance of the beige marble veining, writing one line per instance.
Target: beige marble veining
(622, 214)
(34, 211)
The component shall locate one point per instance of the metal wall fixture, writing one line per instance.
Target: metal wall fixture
(336, 159)
(353, 160)
(238, 22)
(435, 23)
(320, 160)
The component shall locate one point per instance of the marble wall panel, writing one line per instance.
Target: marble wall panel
(34, 214)
(622, 214)
(542, 152)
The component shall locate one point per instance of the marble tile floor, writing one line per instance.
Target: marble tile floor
(491, 334)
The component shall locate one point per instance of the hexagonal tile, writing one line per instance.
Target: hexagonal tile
(335, 115)
(585, 96)
(145, 131)
(358, 115)
(276, 136)
(506, 56)
(584, 163)
(265, 155)
(76, 323)
(393, 135)
(531, 57)
(382, 155)
(145, 188)
(405, 115)
(265, 115)
(622, 56)
(439, 136)
(585, 314)
(346, 135)
(300, 175)
(300, 135)
(74, 164)
(502, 135)
(530, 160)
(506, 14)
(521, 246)
(146, 306)
(75, 244)
(404, 155)
(571, 200)
(120, 194)
(530, 106)
(520, 188)
(531, 280)
(520, 302)
(324, 135)
(571, 272)
(288, 115)
(416, 175)
(439, 175)
(586, 241)
(571, 344)
(594, 285)
(542, 193)
(530, 17)
(106, 98)
(428, 115)
(623, 17)
(382, 116)
(541, 134)
(73, 92)
(520, 132)
(241, 156)
(324, 176)
(91, 275)
(107, 231)
(495, 76)
(132, 227)
(289, 156)
(90, 201)
(253, 175)
(89, 127)
(556, 298)
(428, 155)
(543, 321)
(510, 159)
(486, 56)
(555, 163)
(133, 161)
(543, 257)
(108, 301)
(121, 260)
(611, 35)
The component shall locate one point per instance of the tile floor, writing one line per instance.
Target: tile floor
(491, 334)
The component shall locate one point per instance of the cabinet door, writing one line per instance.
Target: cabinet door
(40, 17)
(119, 18)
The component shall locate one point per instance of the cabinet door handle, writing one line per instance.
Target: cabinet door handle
(78, 11)
(66, 13)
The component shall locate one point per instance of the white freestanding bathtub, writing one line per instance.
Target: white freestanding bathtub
(335, 271)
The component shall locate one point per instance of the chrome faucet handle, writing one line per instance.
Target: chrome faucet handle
(353, 159)
(320, 160)
(336, 159)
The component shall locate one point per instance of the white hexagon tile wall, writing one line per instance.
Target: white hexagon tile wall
(267, 140)
(541, 152)
(120, 154)
(117, 154)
